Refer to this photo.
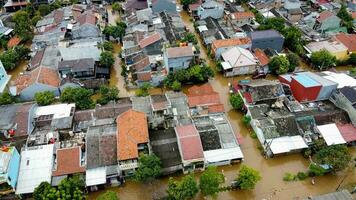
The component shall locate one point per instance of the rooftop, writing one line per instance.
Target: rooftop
(230, 42)
(242, 15)
(349, 40)
(238, 57)
(149, 40)
(78, 65)
(132, 130)
(305, 80)
(177, 52)
(261, 56)
(189, 142)
(331, 46)
(265, 34)
(68, 162)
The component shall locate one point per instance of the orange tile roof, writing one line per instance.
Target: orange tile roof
(324, 15)
(230, 42)
(349, 40)
(144, 76)
(203, 95)
(216, 108)
(353, 15)
(149, 40)
(200, 89)
(13, 42)
(68, 162)
(41, 74)
(242, 15)
(132, 129)
(261, 56)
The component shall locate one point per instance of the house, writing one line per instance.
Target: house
(339, 195)
(260, 4)
(336, 48)
(238, 19)
(309, 86)
(81, 68)
(348, 132)
(35, 167)
(152, 44)
(212, 9)
(57, 116)
(348, 40)
(16, 121)
(132, 139)
(159, 6)
(327, 21)
(193, 8)
(238, 61)
(9, 169)
(101, 156)
(291, 4)
(294, 15)
(133, 5)
(176, 58)
(331, 134)
(203, 100)
(39, 80)
(220, 46)
(267, 39)
(190, 147)
(345, 98)
(68, 161)
(263, 59)
(4, 78)
(15, 5)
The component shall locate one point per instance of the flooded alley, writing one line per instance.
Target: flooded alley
(272, 170)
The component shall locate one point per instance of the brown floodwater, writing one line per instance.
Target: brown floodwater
(272, 170)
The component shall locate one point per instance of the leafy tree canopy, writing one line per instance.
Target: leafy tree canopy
(108, 195)
(185, 189)
(322, 59)
(279, 65)
(107, 94)
(210, 181)
(6, 98)
(79, 96)
(236, 101)
(248, 177)
(44, 98)
(149, 167)
(337, 156)
(106, 59)
(22, 27)
(293, 61)
(144, 90)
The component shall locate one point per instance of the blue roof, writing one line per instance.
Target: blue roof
(306, 81)
(265, 34)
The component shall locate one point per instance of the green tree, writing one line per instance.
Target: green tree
(185, 189)
(337, 156)
(9, 59)
(117, 31)
(80, 96)
(293, 40)
(279, 65)
(246, 119)
(345, 16)
(35, 19)
(108, 94)
(106, 59)
(210, 181)
(44, 9)
(108, 195)
(186, 3)
(108, 46)
(248, 177)
(316, 170)
(352, 59)
(276, 23)
(176, 86)
(69, 188)
(143, 90)
(293, 61)
(22, 27)
(117, 7)
(236, 101)
(149, 167)
(44, 98)
(6, 98)
(322, 59)
(190, 37)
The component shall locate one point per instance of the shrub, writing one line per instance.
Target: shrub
(289, 177)
(302, 176)
(246, 119)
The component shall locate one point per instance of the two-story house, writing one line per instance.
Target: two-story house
(238, 19)
(132, 140)
(267, 39)
(211, 9)
(176, 58)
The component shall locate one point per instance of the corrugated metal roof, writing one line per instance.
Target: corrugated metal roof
(331, 134)
(320, 79)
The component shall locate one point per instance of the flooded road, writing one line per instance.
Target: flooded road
(272, 171)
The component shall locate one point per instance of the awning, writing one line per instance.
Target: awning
(226, 65)
(331, 134)
(286, 144)
(95, 176)
(219, 155)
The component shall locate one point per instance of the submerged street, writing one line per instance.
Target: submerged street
(272, 170)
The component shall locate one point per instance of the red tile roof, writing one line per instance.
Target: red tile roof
(143, 63)
(195, 5)
(189, 142)
(176, 52)
(242, 15)
(41, 74)
(203, 95)
(230, 42)
(13, 42)
(144, 76)
(217, 108)
(324, 15)
(353, 15)
(348, 132)
(68, 162)
(349, 40)
(149, 40)
(132, 129)
(261, 56)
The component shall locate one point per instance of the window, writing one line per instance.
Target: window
(28, 162)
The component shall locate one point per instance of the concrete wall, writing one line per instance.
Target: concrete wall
(174, 64)
(303, 94)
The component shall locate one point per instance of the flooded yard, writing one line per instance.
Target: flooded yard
(272, 170)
